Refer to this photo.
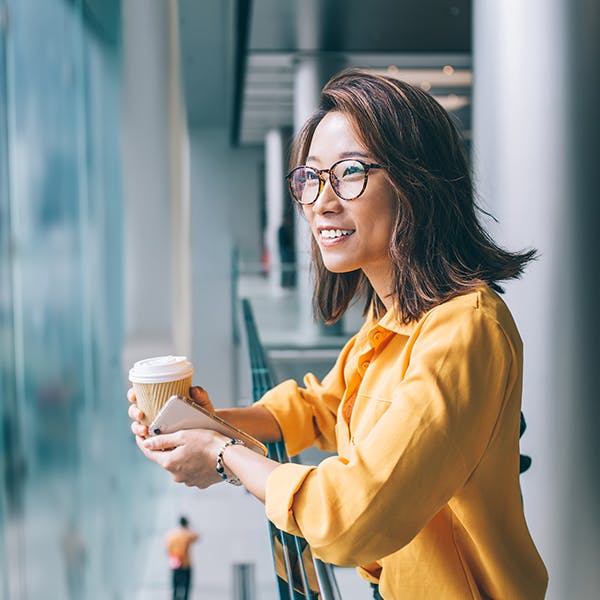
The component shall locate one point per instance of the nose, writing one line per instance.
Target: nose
(328, 200)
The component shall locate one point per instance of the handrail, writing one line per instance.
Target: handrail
(299, 574)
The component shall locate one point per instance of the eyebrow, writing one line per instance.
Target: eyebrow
(342, 155)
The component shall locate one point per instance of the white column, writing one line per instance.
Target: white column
(146, 187)
(307, 87)
(579, 304)
(274, 174)
(179, 154)
(312, 72)
(529, 164)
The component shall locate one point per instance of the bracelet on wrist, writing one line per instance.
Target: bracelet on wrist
(220, 468)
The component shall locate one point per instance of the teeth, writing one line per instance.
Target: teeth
(335, 233)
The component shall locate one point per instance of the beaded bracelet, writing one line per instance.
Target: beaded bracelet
(221, 469)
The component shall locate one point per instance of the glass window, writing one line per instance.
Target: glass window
(68, 511)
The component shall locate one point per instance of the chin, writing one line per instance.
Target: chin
(338, 267)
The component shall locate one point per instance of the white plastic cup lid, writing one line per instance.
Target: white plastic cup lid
(160, 369)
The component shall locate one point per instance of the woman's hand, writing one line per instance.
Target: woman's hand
(197, 394)
(189, 455)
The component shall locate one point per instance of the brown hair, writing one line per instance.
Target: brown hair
(438, 247)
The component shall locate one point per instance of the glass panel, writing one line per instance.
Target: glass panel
(7, 393)
(63, 405)
(45, 140)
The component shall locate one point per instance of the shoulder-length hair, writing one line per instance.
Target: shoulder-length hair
(438, 247)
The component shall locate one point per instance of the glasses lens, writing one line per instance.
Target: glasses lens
(348, 179)
(304, 185)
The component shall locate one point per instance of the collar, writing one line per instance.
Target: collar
(388, 323)
(391, 322)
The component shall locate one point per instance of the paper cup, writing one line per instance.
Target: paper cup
(156, 379)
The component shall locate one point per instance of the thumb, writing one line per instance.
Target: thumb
(166, 441)
(200, 395)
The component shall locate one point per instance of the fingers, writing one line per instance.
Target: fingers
(166, 441)
(135, 413)
(139, 430)
(153, 456)
(169, 458)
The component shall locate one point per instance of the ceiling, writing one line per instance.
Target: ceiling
(239, 56)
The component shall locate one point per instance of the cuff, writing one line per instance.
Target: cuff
(282, 485)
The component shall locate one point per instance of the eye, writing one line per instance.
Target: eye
(310, 178)
(352, 170)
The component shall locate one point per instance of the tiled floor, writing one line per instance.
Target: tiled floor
(231, 522)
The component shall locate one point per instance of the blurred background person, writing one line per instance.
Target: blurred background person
(178, 543)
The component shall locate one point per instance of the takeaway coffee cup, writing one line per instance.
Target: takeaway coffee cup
(156, 379)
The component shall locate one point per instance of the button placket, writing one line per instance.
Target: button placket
(364, 361)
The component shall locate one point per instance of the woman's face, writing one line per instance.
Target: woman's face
(366, 222)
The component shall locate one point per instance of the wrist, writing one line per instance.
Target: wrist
(221, 468)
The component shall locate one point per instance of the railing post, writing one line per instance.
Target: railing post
(290, 553)
(244, 587)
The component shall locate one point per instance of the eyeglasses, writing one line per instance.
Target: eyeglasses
(348, 180)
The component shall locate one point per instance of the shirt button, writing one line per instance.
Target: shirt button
(365, 364)
(376, 338)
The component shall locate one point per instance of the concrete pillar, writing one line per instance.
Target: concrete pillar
(146, 188)
(580, 394)
(179, 155)
(312, 72)
(532, 142)
(156, 189)
(274, 174)
(307, 86)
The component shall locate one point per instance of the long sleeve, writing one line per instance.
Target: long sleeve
(438, 403)
(307, 415)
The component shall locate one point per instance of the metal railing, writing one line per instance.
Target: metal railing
(299, 574)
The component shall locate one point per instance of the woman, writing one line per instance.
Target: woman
(423, 403)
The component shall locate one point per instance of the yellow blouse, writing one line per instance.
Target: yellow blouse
(423, 494)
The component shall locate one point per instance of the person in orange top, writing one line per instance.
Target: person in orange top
(422, 407)
(178, 542)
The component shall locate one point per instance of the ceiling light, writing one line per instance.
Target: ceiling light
(452, 102)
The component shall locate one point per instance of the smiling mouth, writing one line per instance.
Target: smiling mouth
(331, 234)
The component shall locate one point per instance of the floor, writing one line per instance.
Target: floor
(231, 522)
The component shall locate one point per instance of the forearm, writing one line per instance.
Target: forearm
(252, 469)
(255, 420)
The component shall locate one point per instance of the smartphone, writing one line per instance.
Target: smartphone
(180, 412)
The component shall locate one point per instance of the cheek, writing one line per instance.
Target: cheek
(379, 225)
(386, 216)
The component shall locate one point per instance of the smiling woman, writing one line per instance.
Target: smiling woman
(436, 231)
(361, 209)
(422, 407)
